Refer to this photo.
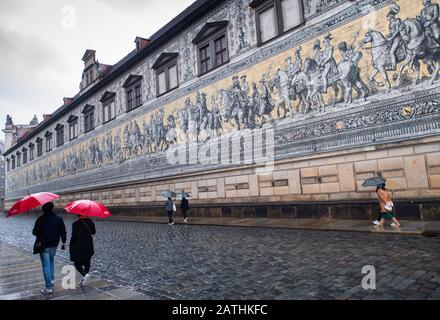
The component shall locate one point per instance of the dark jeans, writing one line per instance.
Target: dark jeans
(83, 266)
(170, 216)
(184, 213)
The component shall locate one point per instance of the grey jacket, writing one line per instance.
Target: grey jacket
(169, 205)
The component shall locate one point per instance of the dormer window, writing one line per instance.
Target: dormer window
(25, 155)
(133, 88)
(31, 151)
(89, 118)
(275, 17)
(108, 106)
(60, 134)
(167, 77)
(18, 159)
(73, 127)
(39, 147)
(49, 141)
(212, 46)
(13, 162)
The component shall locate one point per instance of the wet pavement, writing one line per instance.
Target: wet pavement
(221, 262)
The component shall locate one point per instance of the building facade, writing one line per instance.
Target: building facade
(265, 108)
(2, 176)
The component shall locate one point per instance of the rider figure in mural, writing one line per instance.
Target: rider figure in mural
(292, 69)
(430, 20)
(328, 62)
(396, 27)
(238, 95)
(244, 85)
(317, 54)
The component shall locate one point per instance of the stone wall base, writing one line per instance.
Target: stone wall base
(405, 210)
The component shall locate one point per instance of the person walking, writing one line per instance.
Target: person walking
(184, 206)
(49, 229)
(386, 206)
(81, 246)
(170, 207)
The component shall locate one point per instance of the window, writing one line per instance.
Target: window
(205, 59)
(138, 95)
(108, 106)
(167, 77)
(73, 127)
(18, 159)
(49, 142)
(8, 165)
(25, 156)
(133, 88)
(212, 46)
(221, 51)
(274, 17)
(89, 118)
(31, 151)
(13, 162)
(60, 135)
(39, 147)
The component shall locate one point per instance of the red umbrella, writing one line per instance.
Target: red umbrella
(88, 208)
(30, 202)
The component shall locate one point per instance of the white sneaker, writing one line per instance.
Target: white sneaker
(85, 279)
(171, 223)
(185, 220)
(376, 222)
(46, 291)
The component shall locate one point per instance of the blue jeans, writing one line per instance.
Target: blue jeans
(47, 261)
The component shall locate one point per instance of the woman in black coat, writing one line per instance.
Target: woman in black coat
(81, 246)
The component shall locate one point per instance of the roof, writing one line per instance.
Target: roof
(173, 28)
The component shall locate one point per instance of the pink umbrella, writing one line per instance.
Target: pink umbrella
(30, 202)
(88, 208)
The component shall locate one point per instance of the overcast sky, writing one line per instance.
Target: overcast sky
(42, 43)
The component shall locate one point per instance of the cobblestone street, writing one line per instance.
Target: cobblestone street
(211, 262)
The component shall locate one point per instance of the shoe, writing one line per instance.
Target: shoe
(185, 220)
(376, 222)
(85, 279)
(46, 291)
(395, 226)
(171, 223)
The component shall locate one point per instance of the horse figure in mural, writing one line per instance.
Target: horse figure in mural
(230, 109)
(315, 87)
(419, 46)
(380, 55)
(299, 86)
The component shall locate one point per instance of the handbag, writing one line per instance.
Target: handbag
(174, 207)
(38, 246)
(389, 206)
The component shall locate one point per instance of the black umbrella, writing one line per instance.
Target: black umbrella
(185, 195)
(168, 194)
(373, 182)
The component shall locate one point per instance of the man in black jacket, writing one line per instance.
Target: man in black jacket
(49, 229)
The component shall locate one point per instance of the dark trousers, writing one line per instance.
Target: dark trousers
(83, 266)
(184, 213)
(170, 216)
